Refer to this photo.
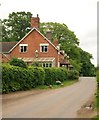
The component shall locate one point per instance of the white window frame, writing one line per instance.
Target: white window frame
(44, 48)
(23, 45)
(46, 64)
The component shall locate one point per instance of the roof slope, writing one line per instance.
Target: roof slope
(7, 46)
(28, 34)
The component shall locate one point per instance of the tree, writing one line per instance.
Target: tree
(68, 40)
(59, 31)
(16, 26)
(87, 68)
(80, 59)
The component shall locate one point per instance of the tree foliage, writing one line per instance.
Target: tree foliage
(80, 59)
(87, 68)
(59, 31)
(16, 26)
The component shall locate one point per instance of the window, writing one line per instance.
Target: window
(46, 64)
(23, 48)
(44, 47)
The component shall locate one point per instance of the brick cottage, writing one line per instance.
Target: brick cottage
(35, 47)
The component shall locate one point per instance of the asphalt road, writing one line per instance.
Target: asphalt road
(57, 103)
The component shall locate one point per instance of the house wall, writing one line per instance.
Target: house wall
(34, 39)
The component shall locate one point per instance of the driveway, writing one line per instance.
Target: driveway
(58, 103)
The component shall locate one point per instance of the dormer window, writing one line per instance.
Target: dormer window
(44, 47)
(23, 48)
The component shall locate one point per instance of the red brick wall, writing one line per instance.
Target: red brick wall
(34, 39)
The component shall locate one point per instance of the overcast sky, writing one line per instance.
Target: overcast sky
(79, 15)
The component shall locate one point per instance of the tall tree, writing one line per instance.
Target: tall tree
(87, 69)
(59, 31)
(68, 40)
(16, 26)
(80, 59)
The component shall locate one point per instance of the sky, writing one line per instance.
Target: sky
(79, 15)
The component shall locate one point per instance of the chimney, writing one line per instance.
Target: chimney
(49, 35)
(35, 22)
(55, 42)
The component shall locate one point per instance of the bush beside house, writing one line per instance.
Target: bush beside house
(16, 78)
(18, 62)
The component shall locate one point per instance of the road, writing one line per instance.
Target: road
(57, 103)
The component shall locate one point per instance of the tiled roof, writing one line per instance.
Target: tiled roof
(6, 46)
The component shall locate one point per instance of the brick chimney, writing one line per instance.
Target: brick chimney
(35, 22)
(49, 35)
(55, 42)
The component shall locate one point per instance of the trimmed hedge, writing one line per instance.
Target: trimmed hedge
(16, 78)
(54, 74)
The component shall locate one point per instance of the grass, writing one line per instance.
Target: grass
(65, 83)
(97, 97)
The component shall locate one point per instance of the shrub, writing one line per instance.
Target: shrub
(36, 64)
(48, 76)
(15, 78)
(14, 86)
(73, 74)
(38, 75)
(17, 62)
(55, 74)
(11, 77)
(63, 74)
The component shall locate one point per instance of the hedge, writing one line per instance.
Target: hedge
(54, 74)
(16, 78)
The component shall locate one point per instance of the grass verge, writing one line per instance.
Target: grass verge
(96, 107)
(65, 83)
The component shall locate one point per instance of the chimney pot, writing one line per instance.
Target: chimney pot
(37, 15)
(35, 22)
(55, 42)
(49, 35)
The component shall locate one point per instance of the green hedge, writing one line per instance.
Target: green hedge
(16, 78)
(55, 74)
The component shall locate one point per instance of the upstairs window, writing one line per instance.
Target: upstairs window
(44, 47)
(23, 48)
